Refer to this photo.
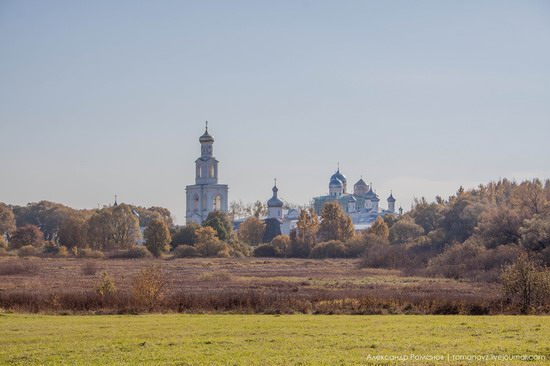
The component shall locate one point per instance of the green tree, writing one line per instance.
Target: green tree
(221, 222)
(335, 224)
(251, 231)
(379, 228)
(185, 235)
(157, 237)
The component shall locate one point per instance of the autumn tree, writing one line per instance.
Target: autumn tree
(251, 231)
(72, 231)
(379, 228)
(335, 224)
(146, 215)
(26, 235)
(535, 233)
(405, 230)
(208, 243)
(157, 237)
(125, 227)
(98, 229)
(304, 236)
(113, 228)
(500, 226)
(530, 196)
(221, 222)
(427, 215)
(7, 220)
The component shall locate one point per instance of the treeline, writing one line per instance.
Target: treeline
(471, 234)
(52, 228)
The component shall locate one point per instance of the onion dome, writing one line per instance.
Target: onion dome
(206, 137)
(390, 198)
(341, 177)
(274, 201)
(335, 182)
(372, 196)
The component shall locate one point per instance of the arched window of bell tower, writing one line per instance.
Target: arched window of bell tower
(217, 202)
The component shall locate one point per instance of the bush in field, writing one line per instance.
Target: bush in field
(28, 251)
(62, 251)
(89, 253)
(329, 249)
(150, 288)
(134, 252)
(185, 251)
(526, 284)
(89, 268)
(106, 286)
(458, 260)
(16, 267)
(264, 250)
(281, 246)
(238, 248)
(384, 256)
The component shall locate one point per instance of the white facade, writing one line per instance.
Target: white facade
(206, 195)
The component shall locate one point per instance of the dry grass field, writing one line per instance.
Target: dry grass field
(240, 285)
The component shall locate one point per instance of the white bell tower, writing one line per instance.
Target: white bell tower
(206, 195)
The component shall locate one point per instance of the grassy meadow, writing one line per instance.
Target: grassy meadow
(185, 339)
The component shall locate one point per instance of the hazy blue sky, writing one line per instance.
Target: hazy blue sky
(99, 98)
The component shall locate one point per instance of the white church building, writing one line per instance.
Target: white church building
(206, 195)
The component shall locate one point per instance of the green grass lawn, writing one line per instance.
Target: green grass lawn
(267, 339)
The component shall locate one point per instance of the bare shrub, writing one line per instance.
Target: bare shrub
(329, 249)
(458, 261)
(134, 252)
(526, 285)
(89, 268)
(385, 256)
(223, 276)
(106, 286)
(150, 288)
(185, 251)
(89, 253)
(28, 251)
(17, 267)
